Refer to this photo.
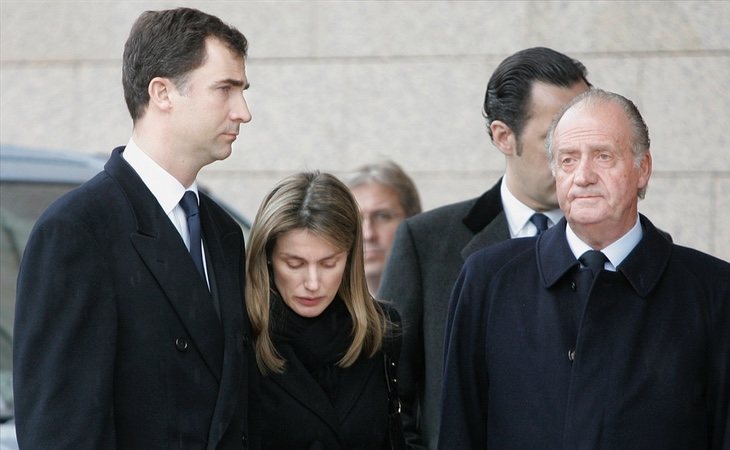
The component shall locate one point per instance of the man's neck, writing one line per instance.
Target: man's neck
(163, 153)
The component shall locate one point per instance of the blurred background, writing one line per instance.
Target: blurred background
(335, 84)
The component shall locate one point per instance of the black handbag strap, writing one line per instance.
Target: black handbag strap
(391, 353)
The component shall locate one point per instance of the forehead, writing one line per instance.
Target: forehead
(593, 123)
(302, 243)
(374, 193)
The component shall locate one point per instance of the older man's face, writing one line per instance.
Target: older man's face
(381, 212)
(597, 180)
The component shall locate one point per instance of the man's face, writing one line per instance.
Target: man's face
(381, 213)
(209, 106)
(597, 179)
(529, 176)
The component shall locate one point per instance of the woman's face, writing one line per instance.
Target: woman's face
(307, 270)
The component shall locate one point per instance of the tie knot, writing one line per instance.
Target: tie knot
(189, 203)
(594, 260)
(540, 221)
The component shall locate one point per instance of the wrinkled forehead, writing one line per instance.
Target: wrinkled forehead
(593, 118)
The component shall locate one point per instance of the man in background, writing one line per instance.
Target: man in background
(600, 333)
(130, 329)
(386, 196)
(523, 94)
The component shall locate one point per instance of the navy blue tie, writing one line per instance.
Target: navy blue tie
(540, 221)
(594, 260)
(189, 204)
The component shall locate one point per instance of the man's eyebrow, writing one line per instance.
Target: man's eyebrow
(236, 83)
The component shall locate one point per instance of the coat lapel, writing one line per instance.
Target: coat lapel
(354, 381)
(226, 256)
(486, 219)
(160, 247)
(643, 267)
(297, 381)
(496, 231)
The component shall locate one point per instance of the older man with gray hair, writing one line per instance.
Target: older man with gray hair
(599, 333)
(386, 196)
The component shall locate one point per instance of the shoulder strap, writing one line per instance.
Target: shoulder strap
(391, 353)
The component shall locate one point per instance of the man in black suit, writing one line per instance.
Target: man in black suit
(523, 94)
(599, 333)
(130, 329)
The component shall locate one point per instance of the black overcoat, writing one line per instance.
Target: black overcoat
(117, 340)
(535, 358)
(294, 413)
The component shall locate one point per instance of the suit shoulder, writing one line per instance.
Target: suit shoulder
(704, 265)
(218, 213)
(441, 216)
(90, 198)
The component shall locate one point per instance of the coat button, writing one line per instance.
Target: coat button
(243, 440)
(572, 286)
(571, 354)
(181, 344)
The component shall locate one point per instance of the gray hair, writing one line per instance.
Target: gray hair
(393, 176)
(640, 141)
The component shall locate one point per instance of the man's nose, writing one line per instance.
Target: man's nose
(584, 173)
(240, 111)
(368, 232)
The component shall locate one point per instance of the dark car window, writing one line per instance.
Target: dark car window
(20, 205)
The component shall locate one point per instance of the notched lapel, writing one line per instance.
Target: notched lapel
(300, 384)
(354, 381)
(159, 245)
(496, 231)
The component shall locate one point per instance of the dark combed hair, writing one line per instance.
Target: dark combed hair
(170, 44)
(509, 89)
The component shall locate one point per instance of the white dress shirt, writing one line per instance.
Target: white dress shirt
(166, 189)
(616, 252)
(518, 214)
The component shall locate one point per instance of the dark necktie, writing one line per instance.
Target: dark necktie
(540, 221)
(594, 260)
(189, 204)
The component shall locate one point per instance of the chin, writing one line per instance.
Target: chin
(222, 154)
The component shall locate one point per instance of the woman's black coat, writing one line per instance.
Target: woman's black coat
(293, 412)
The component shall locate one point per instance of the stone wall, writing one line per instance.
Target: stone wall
(337, 84)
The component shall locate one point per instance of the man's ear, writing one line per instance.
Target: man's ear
(645, 168)
(160, 90)
(503, 137)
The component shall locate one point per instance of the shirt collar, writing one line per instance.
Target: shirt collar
(166, 189)
(616, 252)
(518, 214)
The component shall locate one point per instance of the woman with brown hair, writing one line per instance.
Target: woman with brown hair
(323, 344)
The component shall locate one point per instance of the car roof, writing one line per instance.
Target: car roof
(47, 166)
(25, 164)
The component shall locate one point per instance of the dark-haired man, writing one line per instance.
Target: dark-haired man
(130, 330)
(523, 94)
(600, 333)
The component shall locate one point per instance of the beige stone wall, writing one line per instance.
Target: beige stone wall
(336, 84)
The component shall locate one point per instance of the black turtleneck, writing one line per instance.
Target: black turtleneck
(319, 342)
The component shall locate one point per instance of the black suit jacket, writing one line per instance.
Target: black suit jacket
(428, 252)
(117, 340)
